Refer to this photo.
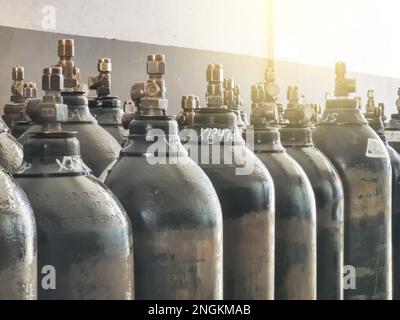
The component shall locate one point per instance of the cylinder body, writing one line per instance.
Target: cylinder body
(329, 198)
(246, 192)
(295, 220)
(175, 213)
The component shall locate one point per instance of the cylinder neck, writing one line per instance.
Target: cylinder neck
(78, 108)
(342, 112)
(52, 154)
(51, 127)
(153, 136)
(217, 126)
(267, 140)
(296, 136)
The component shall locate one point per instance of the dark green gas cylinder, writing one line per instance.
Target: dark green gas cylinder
(173, 206)
(18, 253)
(98, 147)
(296, 138)
(106, 108)
(22, 93)
(85, 248)
(393, 128)
(295, 215)
(375, 116)
(245, 190)
(363, 164)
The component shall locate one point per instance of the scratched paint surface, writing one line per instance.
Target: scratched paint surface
(18, 255)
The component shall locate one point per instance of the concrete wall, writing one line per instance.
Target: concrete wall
(234, 26)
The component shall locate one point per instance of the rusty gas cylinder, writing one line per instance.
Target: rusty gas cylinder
(375, 117)
(246, 192)
(325, 181)
(173, 206)
(295, 213)
(84, 235)
(363, 164)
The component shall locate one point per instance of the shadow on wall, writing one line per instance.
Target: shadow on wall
(186, 68)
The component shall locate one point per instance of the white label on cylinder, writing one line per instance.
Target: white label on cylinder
(375, 149)
(393, 136)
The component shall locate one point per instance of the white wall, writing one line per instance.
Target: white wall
(234, 26)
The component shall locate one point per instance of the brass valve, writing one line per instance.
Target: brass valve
(66, 52)
(238, 99)
(189, 104)
(102, 82)
(30, 90)
(398, 100)
(343, 86)
(373, 112)
(229, 93)
(262, 112)
(296, 111)
(51, 109)
(215, 77)
(271, 88)
(17, 87)
(150, 96)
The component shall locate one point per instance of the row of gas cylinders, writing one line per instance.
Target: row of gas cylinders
(199, 206)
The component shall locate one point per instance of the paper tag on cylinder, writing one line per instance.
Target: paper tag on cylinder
(375, 149)
(393, 136)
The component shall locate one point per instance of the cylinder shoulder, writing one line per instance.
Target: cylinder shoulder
(164, 195)
(79, 201)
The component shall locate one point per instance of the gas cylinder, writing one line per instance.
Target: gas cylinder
(175, 212)
(84, 235)
(328, 191)
(363, 164)
(375, 116)
(11, 154)
(98, 147)
(22, 93)
(393, 127)
(295, 214)
(18, 252)
(106, 108)
(246, 192)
